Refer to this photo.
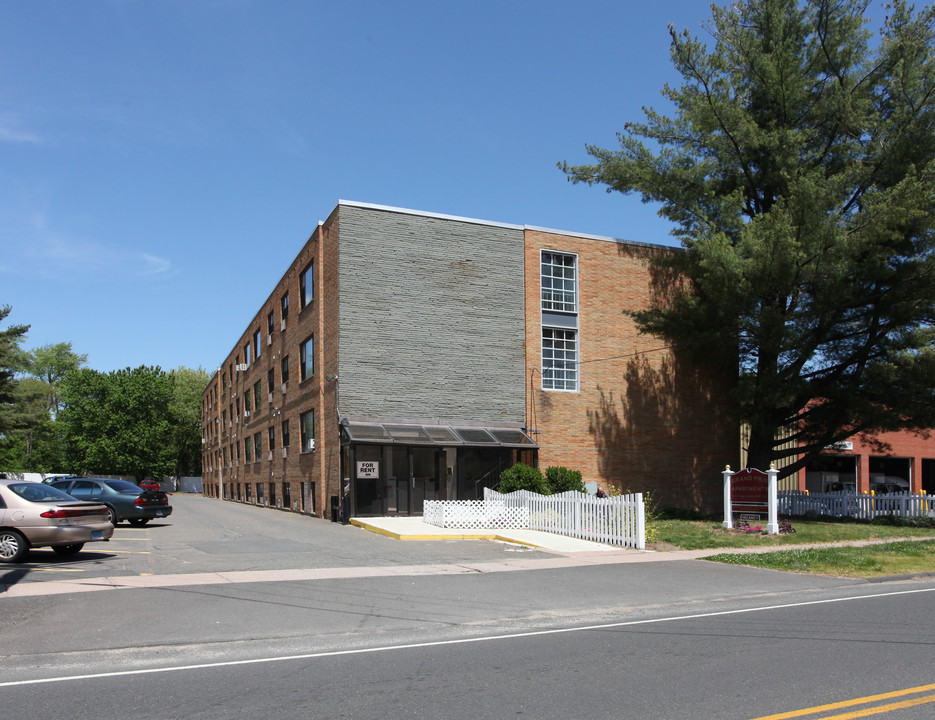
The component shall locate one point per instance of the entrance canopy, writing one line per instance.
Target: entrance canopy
(440, 435)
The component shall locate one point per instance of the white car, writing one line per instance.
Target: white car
(38, 515)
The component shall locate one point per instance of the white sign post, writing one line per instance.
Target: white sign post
(728, 515)
(772, 524)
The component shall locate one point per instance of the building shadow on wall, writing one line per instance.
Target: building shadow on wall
(666, 435)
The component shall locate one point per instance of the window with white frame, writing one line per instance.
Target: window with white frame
(559, 296)
(559, 359)
(559, 282)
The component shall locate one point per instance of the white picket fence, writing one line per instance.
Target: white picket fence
(862, 507)
(619, 520)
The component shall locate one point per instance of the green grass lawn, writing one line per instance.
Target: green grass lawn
(891, 558)
(895, 558)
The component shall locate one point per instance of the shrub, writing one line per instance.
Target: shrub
(561, 479)
(915, 521)
(523, 477)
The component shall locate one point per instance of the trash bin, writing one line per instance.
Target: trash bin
(335, 508)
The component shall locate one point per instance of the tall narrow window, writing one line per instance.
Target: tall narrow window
(284, 305)
(307, 286)
(247, 450)
(257, 446)
(559, 282)
(257, 344)
(285, 433)
(284, 366)
(559, 296)
(559, 359)
(246, 353)
(257, 392)
(307, 425)
(270, 319)
(272, 438)
(307, 359)
(270, 379)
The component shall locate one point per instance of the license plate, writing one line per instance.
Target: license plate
(159, 513)
(97, 534)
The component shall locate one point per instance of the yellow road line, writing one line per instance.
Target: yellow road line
(859, 701)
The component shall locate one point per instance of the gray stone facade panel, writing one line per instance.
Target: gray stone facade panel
(431, 317)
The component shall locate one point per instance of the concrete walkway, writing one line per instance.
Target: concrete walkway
(414, 528)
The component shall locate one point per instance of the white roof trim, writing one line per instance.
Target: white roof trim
(440, 216)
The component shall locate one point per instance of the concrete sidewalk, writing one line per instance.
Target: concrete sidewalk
(414, 528)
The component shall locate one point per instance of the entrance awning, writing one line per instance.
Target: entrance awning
(441, 435)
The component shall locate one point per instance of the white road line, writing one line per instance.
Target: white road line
(461, 641)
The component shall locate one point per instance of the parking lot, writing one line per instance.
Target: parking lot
(213, 536)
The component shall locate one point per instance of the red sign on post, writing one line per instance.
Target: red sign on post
(749, 491)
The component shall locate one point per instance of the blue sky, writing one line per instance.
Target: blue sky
(162, 162)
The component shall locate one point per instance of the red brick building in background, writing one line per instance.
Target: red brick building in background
(406, 356)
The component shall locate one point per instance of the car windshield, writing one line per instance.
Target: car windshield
(37, 492)
(122, 486)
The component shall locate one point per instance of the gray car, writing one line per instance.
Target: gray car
(124, 500)
(37, 515)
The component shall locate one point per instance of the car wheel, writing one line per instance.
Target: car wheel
(68, 549)
(112, 516)
(13, 546)
(138, 522)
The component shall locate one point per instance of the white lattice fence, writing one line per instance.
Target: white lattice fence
(474, 514)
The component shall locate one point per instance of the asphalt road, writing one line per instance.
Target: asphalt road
(246, 612)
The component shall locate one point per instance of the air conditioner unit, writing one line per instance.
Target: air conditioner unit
(270, 455)
(269, 398)
(283, 452)
(311, 446)
(269, 339)
(282, 325)
(241, 367)
(283, 388)
(246, 413)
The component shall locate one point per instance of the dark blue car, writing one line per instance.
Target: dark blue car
(125, 500)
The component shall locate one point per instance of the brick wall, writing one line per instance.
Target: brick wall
(642, 420)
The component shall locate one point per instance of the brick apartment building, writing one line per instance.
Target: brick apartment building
(407, 356)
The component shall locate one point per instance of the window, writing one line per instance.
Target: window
(559, 278)
(270, 319)
(284, 367)
(257, 345)
(307, 286)
(247, 448)
(307, 358)
(272, 438)
(284, 305)
(271, 379)
(559, 289)
(559, 359)
(257, 391)
(246, 353)
(257, 446)
(307, 424)
(246, 402)
(285, 433)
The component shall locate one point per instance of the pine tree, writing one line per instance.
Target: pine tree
(798, 169)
